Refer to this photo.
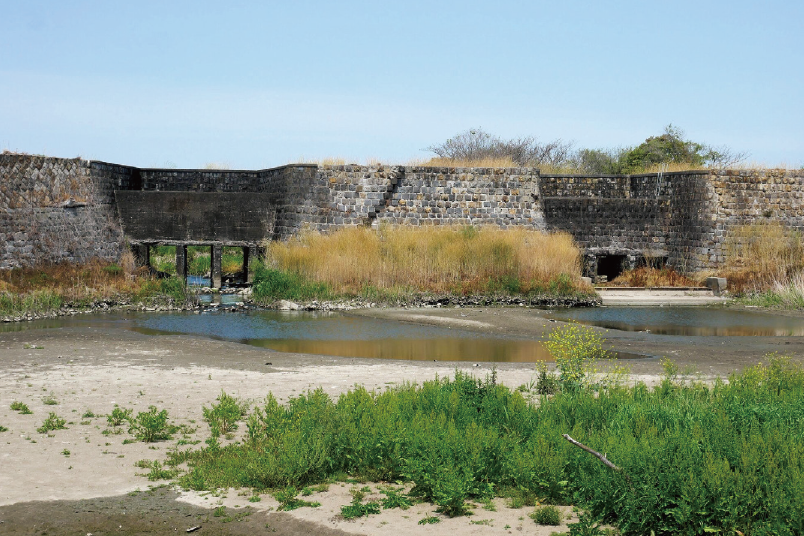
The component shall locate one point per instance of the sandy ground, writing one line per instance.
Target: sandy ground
(83, 479)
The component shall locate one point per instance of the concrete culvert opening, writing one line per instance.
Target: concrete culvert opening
(610, 266)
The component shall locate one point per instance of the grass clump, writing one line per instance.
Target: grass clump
(21, 407)
(430, 259)
(547, 515)
(53, 422)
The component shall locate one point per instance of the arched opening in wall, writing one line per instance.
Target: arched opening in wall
(610, 266)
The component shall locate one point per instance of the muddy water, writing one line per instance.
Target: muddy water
(689, 321)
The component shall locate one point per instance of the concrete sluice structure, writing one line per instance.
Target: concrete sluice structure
(55, 209)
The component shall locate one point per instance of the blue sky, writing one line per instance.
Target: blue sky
(261, 84)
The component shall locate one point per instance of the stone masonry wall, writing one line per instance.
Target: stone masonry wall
(54, 210)
(464, 196)
(741, 197)
(665, 215)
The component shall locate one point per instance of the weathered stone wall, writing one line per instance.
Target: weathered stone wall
(619, 215)
(54, 210)
(742, 197)
(465, 196)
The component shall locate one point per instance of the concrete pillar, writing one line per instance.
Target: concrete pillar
(181, 262)
(248, 274)
(590, 266)
(215, 266)
(142, 254)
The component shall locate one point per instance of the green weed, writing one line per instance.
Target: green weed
(288, 500)
(118, 416)
(357, 508)
(395, 498)
(22, 408)
(547, 515)
(575, 349)
(53, 422)
(724, 456)
(223, 416)
(151, 425)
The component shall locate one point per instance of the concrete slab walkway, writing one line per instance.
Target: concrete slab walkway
(657, 296)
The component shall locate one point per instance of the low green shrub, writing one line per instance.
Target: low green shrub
(53, 422)
(357, 508)
(21, 407)
(695, 458)
(151, 425)
(576, 349)
(270, 285)
(118, 416)
(395, 498)
(223, 416)
(288, 500)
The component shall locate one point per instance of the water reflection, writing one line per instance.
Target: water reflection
(318, 333)
(701, 321)
(441, 349)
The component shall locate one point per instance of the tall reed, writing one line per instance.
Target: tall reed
(763, 256)
(431, 258)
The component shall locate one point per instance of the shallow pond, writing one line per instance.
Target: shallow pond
(321, 333)
(702, 321)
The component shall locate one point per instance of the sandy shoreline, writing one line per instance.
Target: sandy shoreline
(94, 369)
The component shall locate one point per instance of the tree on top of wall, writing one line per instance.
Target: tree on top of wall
(670, 147)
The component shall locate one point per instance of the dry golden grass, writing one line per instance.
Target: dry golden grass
(96, 280)
(430, 258)
(477, 163)
(763, 255)
(646, 276)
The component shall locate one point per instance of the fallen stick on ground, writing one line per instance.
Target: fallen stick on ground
(598, 456)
